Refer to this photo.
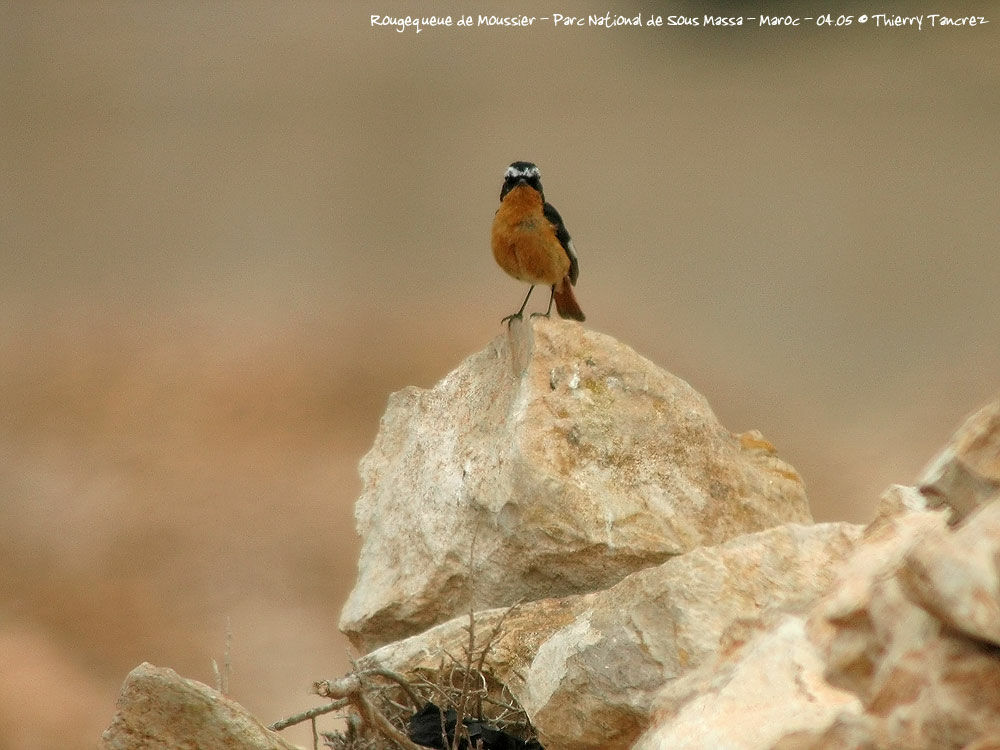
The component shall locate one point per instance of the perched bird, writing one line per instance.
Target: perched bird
(530, 241)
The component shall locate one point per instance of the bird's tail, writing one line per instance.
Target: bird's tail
(566, 302)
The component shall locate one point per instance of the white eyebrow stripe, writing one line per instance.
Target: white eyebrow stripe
(514, 172)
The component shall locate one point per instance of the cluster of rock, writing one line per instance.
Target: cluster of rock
(671, 590)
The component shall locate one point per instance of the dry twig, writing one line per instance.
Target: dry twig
(312, 713)
(352, 689)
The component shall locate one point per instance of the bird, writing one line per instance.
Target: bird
(530, 241)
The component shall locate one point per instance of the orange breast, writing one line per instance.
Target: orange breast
(524, 242)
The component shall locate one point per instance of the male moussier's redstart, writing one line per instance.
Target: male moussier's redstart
(530, 241)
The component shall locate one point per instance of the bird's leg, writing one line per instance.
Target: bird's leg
(509, 318)
(547, 313)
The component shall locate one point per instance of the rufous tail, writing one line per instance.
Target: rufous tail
(566, 303)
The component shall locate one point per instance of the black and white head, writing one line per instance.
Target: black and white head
(521, 173)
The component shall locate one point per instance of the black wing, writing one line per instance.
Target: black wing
(563, 236)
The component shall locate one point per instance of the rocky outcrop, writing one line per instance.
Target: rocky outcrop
(795, 636)
(159, 710)
(555, 462)
(567, 532)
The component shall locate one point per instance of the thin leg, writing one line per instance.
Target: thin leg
(523, 304)
(547, 313)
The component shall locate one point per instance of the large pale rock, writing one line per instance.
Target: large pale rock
(555, 470)
(159, 710)
(586, 668)
(966, 473)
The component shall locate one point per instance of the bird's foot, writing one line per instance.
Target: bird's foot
(511, 318)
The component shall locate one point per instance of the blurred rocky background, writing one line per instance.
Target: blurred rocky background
(230, 231)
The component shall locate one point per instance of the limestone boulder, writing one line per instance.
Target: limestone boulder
(554, 462)
(159, 710)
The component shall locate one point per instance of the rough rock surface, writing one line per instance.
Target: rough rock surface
(966, 473)
(672, 597)
(556, 461)
(909, 630)
(586, 668)
(158, 710)
(901, 654)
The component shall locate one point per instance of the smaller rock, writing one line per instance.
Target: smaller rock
(966, 474)
(159, 710)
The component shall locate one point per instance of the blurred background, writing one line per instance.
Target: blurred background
(230, 230)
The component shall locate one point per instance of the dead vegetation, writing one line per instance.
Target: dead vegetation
(456, 706)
